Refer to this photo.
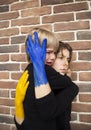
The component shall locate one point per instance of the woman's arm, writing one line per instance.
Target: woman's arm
(51, 106)
(56, 80)
(19, 97)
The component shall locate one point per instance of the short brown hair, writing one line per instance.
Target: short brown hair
(63, 46)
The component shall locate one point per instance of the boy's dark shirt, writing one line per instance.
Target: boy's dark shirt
(42, 114)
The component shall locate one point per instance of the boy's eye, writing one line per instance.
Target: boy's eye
(48, 52)
(51, 52)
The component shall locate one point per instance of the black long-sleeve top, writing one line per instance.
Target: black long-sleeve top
(41, 114)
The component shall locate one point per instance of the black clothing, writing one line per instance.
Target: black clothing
(41, 114)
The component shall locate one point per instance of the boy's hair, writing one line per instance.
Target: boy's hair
(42, 34)
(63, 46)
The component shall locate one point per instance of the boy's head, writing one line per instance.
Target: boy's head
(63, 59)
(63, 46)
(52, 44)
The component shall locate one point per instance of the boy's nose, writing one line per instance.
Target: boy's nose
(66, 62)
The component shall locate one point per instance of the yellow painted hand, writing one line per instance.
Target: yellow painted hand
(20, 95)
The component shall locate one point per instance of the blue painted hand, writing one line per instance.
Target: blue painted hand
(37, 55)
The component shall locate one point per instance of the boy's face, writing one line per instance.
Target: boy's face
(61, 63)
(50, 56)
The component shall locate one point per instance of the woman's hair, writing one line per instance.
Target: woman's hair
(63, 46)
(42, 34)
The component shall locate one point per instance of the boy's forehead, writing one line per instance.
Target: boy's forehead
(64, 52)
(51, 49)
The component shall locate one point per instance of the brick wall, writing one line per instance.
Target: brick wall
(70, 21)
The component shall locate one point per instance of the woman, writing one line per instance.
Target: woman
(39, 91)
(62, 65)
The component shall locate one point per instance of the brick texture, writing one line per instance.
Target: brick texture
(84, 35)
(51, 2)
(24, 5)
(70, 20)
(36, 11)
(4, 41)
(58, 18)
(72, 26)
(71, 7)
(4, 8)
(9, 16)
(85, 97)
(83, 15)
(85, 76)
(2, 2)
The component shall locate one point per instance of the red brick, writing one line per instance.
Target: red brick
(74, 76)
(6, 102)
(38, 11)
(25, 21)
(83, 15)
(81, 45)
(4, 8)
(84, 56)
(85, 97)
(10, 67)
(4, 93)
(16, 76)
(4, 110)
(76, 66)
(24, 65)
(84, 87)
(19, 57)
(4, 75)
(80, 126)
(85, 76)
(4, 126)
(7, 84)
(2, 2)
(9, 32)
(52, 2)
(13, 111)
(85, 118)
(6, 119)
(72, 26)
(24, 5)
(84, 35)
(8, 16)
(13, 93)
(79, 107)
(4, 41)
(58, 18)
(73, 116)
(13, 127)
(63, 36)
(4, 58)
(27, 29)
(23, 48)
(4, 24)
(71, 7)
(74, 56)
(9, 49)
(18, 39)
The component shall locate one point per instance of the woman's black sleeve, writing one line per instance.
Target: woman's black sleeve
(56, 80)
(52, 106)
